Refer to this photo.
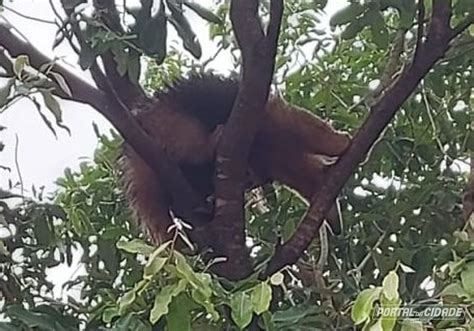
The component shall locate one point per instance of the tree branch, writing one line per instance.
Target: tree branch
(258, 56)
(430, 51)
(186, 203)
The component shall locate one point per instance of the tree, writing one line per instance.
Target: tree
(418, 54)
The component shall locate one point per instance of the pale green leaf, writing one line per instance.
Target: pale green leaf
(20, 63)
(363, 304)
(261, 296)
(241, 309)
(136, 246)
(467, 278)
(163, 299)
(277, 279)
(390, 286)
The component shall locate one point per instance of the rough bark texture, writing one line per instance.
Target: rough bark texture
(258, 55)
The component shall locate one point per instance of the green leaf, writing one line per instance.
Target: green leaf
(467, 278)
(352, 30)
(153, 266)
(241, 306)
(268, 321)
(455, 290)
(137, 246)
(347, 14)
(203, 12)
(379, 31)
(163, 299)
(109, 313)
(179, 315)
(390, 286)
(131, 322)
(455, 267)
(363, 304)
(126, 300)
(388, 322)
(199, 281)
(31, 319)
(205, 302)
(411, 325)
(377, 326)
(261, 296)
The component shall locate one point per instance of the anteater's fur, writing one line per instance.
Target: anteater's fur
(186, 119)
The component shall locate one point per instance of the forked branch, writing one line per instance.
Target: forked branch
(258, 49)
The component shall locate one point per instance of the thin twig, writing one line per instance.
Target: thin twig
(41, 20)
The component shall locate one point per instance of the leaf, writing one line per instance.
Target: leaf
(363, 304)
(241, 309)
(204, 301)
(203, 12)
(467, 278)
(454, 289)
(20, 63)
(53, 105)
(126, 300)
(109, 313)
(277, 279)
(163, 299)
(376, 327)
(5, 92)
(86, 57)
(346, 14)
(455, 267)
(199, 281)
(154, 265)
(137, 246)
(62, 83)
(378, 30)
(152, 34)
(179, 315)
(390, 286)
(184, 30)
(352, 30)
(31, 319)
(43, 117)
(411, 325)
(131, 322)
(261, 296)
(387, 321)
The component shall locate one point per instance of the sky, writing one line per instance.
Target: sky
(40, 156)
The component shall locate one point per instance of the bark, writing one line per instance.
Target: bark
(258, 51)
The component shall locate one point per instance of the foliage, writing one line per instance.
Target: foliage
(404, 239)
